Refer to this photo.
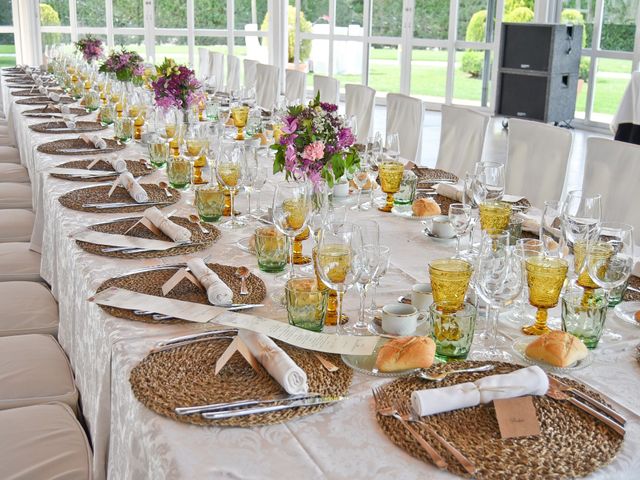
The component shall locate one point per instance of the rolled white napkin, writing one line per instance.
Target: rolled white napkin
(217, 291)
(43, 90)
(172, 230)
(135, 190)
(454, 192)
(275, 361)
(94, 140)
(70, 123)
(65, 109)
(526, 381)
(38, 81)
(53, 96)
(118, 164)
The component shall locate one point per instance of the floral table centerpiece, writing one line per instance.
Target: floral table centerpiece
(315, 144)
(90, 47)
(127, 65)
(177, 86)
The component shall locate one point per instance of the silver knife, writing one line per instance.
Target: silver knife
(121, 204)
(240, 412)
(244, 403)
(186, 338)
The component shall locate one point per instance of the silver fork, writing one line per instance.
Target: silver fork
(385, 408)
(406, 412)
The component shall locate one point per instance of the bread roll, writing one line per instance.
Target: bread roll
(557, 348)
(637, 316)
(405, 353)
(425, 207)
(367, 185)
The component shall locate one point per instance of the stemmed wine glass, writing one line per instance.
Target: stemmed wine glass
(360, 178)
(550, 229)
(231, 173)
(460, 219)
(580, 220)
(489, 183)
(336, 261)
(367, 262)
(393, 146)
(383, 266)
(498, 282)
(262, 173)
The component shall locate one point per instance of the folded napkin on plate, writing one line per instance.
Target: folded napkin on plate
(172, 230)
(452, 191)
(275, 361)
(135, 190)
(217, 291)
(94, 140)
(53, 96)
(526, 381)
(118, 164)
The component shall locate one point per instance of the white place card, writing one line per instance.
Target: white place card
(115, 240)
(320, 342)
(121, 298)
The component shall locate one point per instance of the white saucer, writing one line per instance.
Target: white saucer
(437, 239)
(626, 311)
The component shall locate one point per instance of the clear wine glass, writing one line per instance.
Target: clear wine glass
(393, 146)
(231, 173)
(360, 179)
(580, 218)
(385, 259)
(489, 183)
(460, 219)
(550, 229)
(258, 184)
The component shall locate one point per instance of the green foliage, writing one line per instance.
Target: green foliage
(583, 72)
(573, 16)
(519, 15)
(472, 63)
(511, 5)
(305, 26)
(49, 17)
(476, 27)
(618, 37)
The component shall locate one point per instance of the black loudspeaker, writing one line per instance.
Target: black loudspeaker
(538, 71)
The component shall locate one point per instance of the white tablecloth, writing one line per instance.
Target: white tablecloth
(343, 441)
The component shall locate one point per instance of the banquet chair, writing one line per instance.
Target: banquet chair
(233, 73)
(328, 87)
(250, 73)
(537, 160)
(27, 308)
(19, 263)
(16, 225)
(43, 442)
(612, 169)
(203, 62)
(9, 155)
(216, 68)
(34, 370)
(15, 195)
(405, 117)
(267, 85)
(360, 101)
(295, 82)
(12, 172)
(462, 135)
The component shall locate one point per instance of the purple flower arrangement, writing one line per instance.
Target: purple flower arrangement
(315, 144)
(91, 48)
(176, 86)
(128, 66)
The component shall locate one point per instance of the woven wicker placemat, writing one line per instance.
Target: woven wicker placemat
(98, 194)
(151, 282)
(200, 240)
(54, 127)
(630, 296)
(32, 92)
(572, 443)
(136, 168)
(53, 112)
(58, 147)
(425, 174)
(183, 377)
(42, 100)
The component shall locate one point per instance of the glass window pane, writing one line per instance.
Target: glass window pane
(63, 39)
(128, 13)
(319, 57)
(384, 68)
(472, 77)
(386, 18)
(171, 14)
(580, 13)
(172, 47)
(315, 11)
(6, 15)
(581, 99)
(132, 42)
(429, 73)
(349, 17)
(54, 12)
(90, 13)
(472, 17)
(347, 62)
(250, 14)
(7, 50)
(618, 25)
(612, 77)
(431, 19)
(306, 26)
(211, 14)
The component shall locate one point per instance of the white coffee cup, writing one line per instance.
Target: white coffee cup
(341, 189)
(421, 296)
(440, 226)
(399, 319)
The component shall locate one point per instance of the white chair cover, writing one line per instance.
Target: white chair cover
(629, 108)
(203, 62)
(295, 83)
(462, 135)
(328, 87)
(405, 117)
(216, 68)
(537, 160)
(250, 73)
(233, 73)
(612, 169)
(360, 101)
(267, 85)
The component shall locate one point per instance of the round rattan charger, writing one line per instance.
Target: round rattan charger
(135, 167)
(75, 199)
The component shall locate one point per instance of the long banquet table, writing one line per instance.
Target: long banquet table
(342, 441)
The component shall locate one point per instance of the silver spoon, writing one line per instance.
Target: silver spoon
(165, 187)
(196, 220)
(438, 377)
